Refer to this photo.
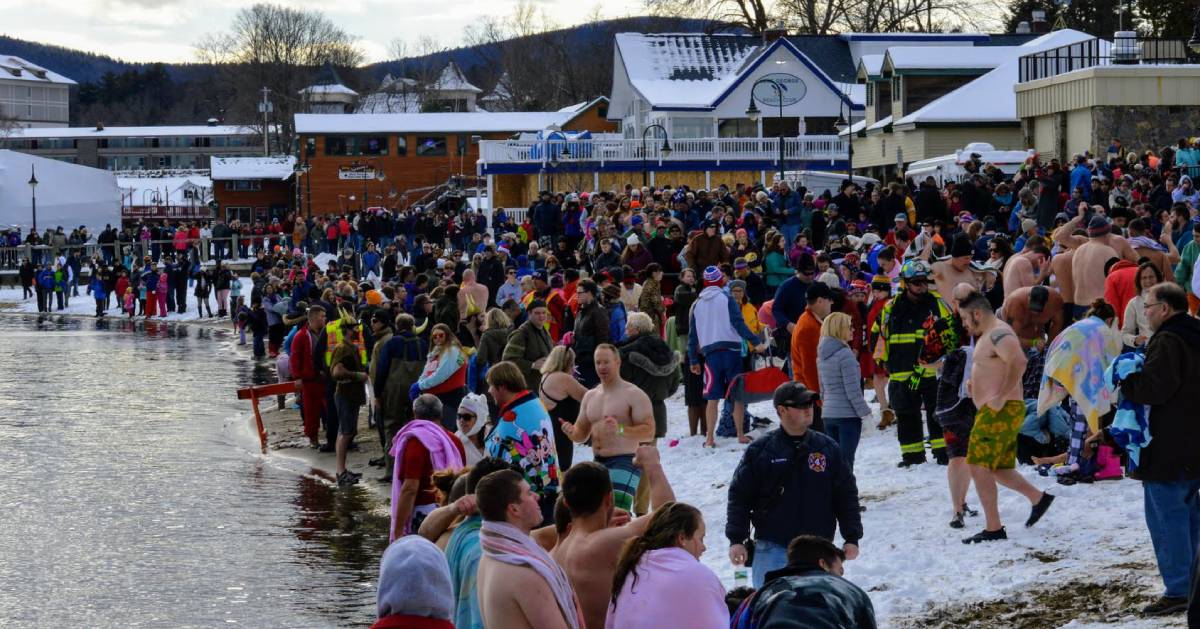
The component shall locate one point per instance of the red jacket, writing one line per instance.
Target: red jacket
(1119, 289)
(401, 621)
(301, 360)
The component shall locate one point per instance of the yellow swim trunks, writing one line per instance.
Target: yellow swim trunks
(994, 437)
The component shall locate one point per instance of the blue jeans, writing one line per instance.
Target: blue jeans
(846, 432)
(1173, 518)
(768, 557)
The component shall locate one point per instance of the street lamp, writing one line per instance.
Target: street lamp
(664, 150)
(844, 123)
(753, 113)
(33, 182)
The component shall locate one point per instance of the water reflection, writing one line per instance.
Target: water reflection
(133, 494)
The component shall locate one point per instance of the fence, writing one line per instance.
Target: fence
(815, 147)
(1098, 52)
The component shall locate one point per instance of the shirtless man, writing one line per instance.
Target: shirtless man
(589, 551)
(948, 273)
(1063, 278)
(997, 365)
(617, 416)
(512, 591)
(1145, 247)
(1035, 314)
(1028, 267)
(1090, 254)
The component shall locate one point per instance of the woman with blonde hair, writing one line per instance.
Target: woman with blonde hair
(445, 374)
(561, 393)
(844, 405)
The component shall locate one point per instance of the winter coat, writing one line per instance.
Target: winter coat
(777, 270)
(715, 324)
(399, 363)
(591, 329)
(1167, 384)
(704, 251)
(526, 345)
(491, 346)
(805, 595)
(841, 384)
(785, 487)
(651, 366)
(651, 301)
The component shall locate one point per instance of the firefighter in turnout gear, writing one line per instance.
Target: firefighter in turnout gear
(917, 329)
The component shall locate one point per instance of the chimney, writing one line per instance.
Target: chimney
(1023, 28)
(772, 33)
(99, 126)
(1039, 25)
(212, 122)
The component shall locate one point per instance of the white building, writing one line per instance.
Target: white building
(32, 95)
(450, 92)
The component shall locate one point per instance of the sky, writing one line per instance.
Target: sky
(165, 30)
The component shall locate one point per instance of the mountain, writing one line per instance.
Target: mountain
(88, 67)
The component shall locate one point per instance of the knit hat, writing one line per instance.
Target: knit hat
(632, 240)
(1098, 226)
(374, 297)
(1028, 224)
(740, 263)
(713, 276)
(476, 405)
(414, 580)
(901, 217)
(851, 260)
(881, 282)
(737, 284)
(859, 287)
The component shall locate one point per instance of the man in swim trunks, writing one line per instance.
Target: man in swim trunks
(997, 365)
(617, 416)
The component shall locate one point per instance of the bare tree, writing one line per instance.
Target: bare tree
(753, 15)
(8, 124)
(821, 17)
(281, 49)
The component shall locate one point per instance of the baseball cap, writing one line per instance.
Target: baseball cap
(795, 395)
(902, 217)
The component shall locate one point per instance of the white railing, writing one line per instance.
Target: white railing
(813, 147)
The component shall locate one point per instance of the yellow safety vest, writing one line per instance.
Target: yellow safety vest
(333, 336)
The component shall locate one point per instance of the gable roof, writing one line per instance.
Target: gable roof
(683, 69)
(989, 98)
(870, 66)
(452, 79)
(278, 167)
(901, 58)
(14, 68)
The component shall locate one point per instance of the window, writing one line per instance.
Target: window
(431, 146)
(771, 127)
(310, 147)
(737, 128)
(243, 185)
(691, 127)
(870, 93)
(401, 145)
(356, 145)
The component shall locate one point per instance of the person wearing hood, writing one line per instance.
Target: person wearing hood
(845, 407)
(415, 591)
(716, 330)
(650, 365)
(707, 248)
(1119, 289)
(1186, 192)
(472, 420)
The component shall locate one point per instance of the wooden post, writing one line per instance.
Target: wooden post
(266, 390)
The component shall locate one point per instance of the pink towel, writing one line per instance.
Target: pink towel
(443, 454)
(508, 544)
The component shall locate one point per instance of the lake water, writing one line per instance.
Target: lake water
(132, 493)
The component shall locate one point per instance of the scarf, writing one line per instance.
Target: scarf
(1146, 242)
(1131, 426)
(443, 454)
(505, 543)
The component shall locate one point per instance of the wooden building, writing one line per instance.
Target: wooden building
(356, 161)
(252, 189)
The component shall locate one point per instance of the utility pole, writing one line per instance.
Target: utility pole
(265, 108)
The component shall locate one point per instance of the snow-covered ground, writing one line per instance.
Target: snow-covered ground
(11, 301)
(1089, 562)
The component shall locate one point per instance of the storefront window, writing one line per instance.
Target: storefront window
(431, 146)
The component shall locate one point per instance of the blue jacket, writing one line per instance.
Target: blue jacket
(150, 279)
(616, 322)
(1081, 177)
(97, 288)
(45, 279)
(785, 489)
(789, 206)
(791, 298)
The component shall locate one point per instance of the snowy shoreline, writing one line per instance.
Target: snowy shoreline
(1089, 559)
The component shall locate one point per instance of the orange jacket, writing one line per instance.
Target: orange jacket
(805, 338)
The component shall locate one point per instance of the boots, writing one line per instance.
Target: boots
(887, 417)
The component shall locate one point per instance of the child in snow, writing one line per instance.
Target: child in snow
(162, 293)
(241, 318)
(96, 288)
(257, 321)
(129, 301)
(141, 298)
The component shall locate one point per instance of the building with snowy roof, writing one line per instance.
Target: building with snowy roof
(328, 94)
(32, 95)
(254, 189)
(1082, 95)
(930, 101)
(451, 91)
(165, 196)
(138, 148)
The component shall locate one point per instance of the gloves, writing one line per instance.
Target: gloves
(414, 392)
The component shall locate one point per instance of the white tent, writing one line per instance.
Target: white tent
(68, 195)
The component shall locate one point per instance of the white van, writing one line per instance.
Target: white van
(950, 167)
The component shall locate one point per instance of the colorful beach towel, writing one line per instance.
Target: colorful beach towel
(1131, 425)
(1074, 366)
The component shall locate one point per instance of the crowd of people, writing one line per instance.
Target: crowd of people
(1045, 317)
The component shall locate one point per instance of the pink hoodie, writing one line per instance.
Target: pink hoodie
(670, 574)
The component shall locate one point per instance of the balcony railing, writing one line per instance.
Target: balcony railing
(805, 148)
(1098, 52)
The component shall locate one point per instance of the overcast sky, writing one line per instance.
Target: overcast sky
(165, 30)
